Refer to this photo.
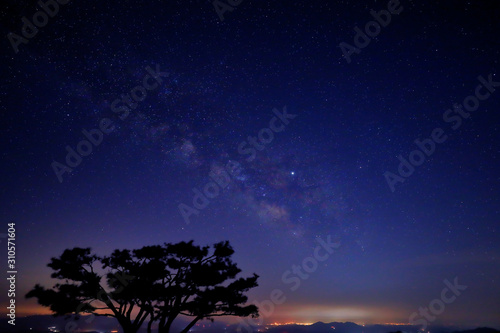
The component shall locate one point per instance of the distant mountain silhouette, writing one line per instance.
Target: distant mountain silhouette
(479, 330)
(40, 324)
(349, 327)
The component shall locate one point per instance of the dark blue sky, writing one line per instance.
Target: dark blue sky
(321, 176)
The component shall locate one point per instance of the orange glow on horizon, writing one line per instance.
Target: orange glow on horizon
(288, 323)
(28, 310)
(287, 315)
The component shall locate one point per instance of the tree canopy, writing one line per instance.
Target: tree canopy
(156, 284)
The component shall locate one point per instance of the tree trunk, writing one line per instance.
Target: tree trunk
(149, 325)
(169, 324)
(161, 325)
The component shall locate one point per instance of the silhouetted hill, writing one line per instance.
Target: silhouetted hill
(479, 330)
(40, 324)
(348, 327)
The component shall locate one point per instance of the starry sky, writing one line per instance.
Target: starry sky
(218, 102)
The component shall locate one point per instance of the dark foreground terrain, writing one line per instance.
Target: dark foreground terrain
(50, 324)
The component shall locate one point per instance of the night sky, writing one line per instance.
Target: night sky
(313, 139)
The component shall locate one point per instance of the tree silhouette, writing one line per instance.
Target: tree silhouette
(86, 293)
(196, 285)
(160, 283)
